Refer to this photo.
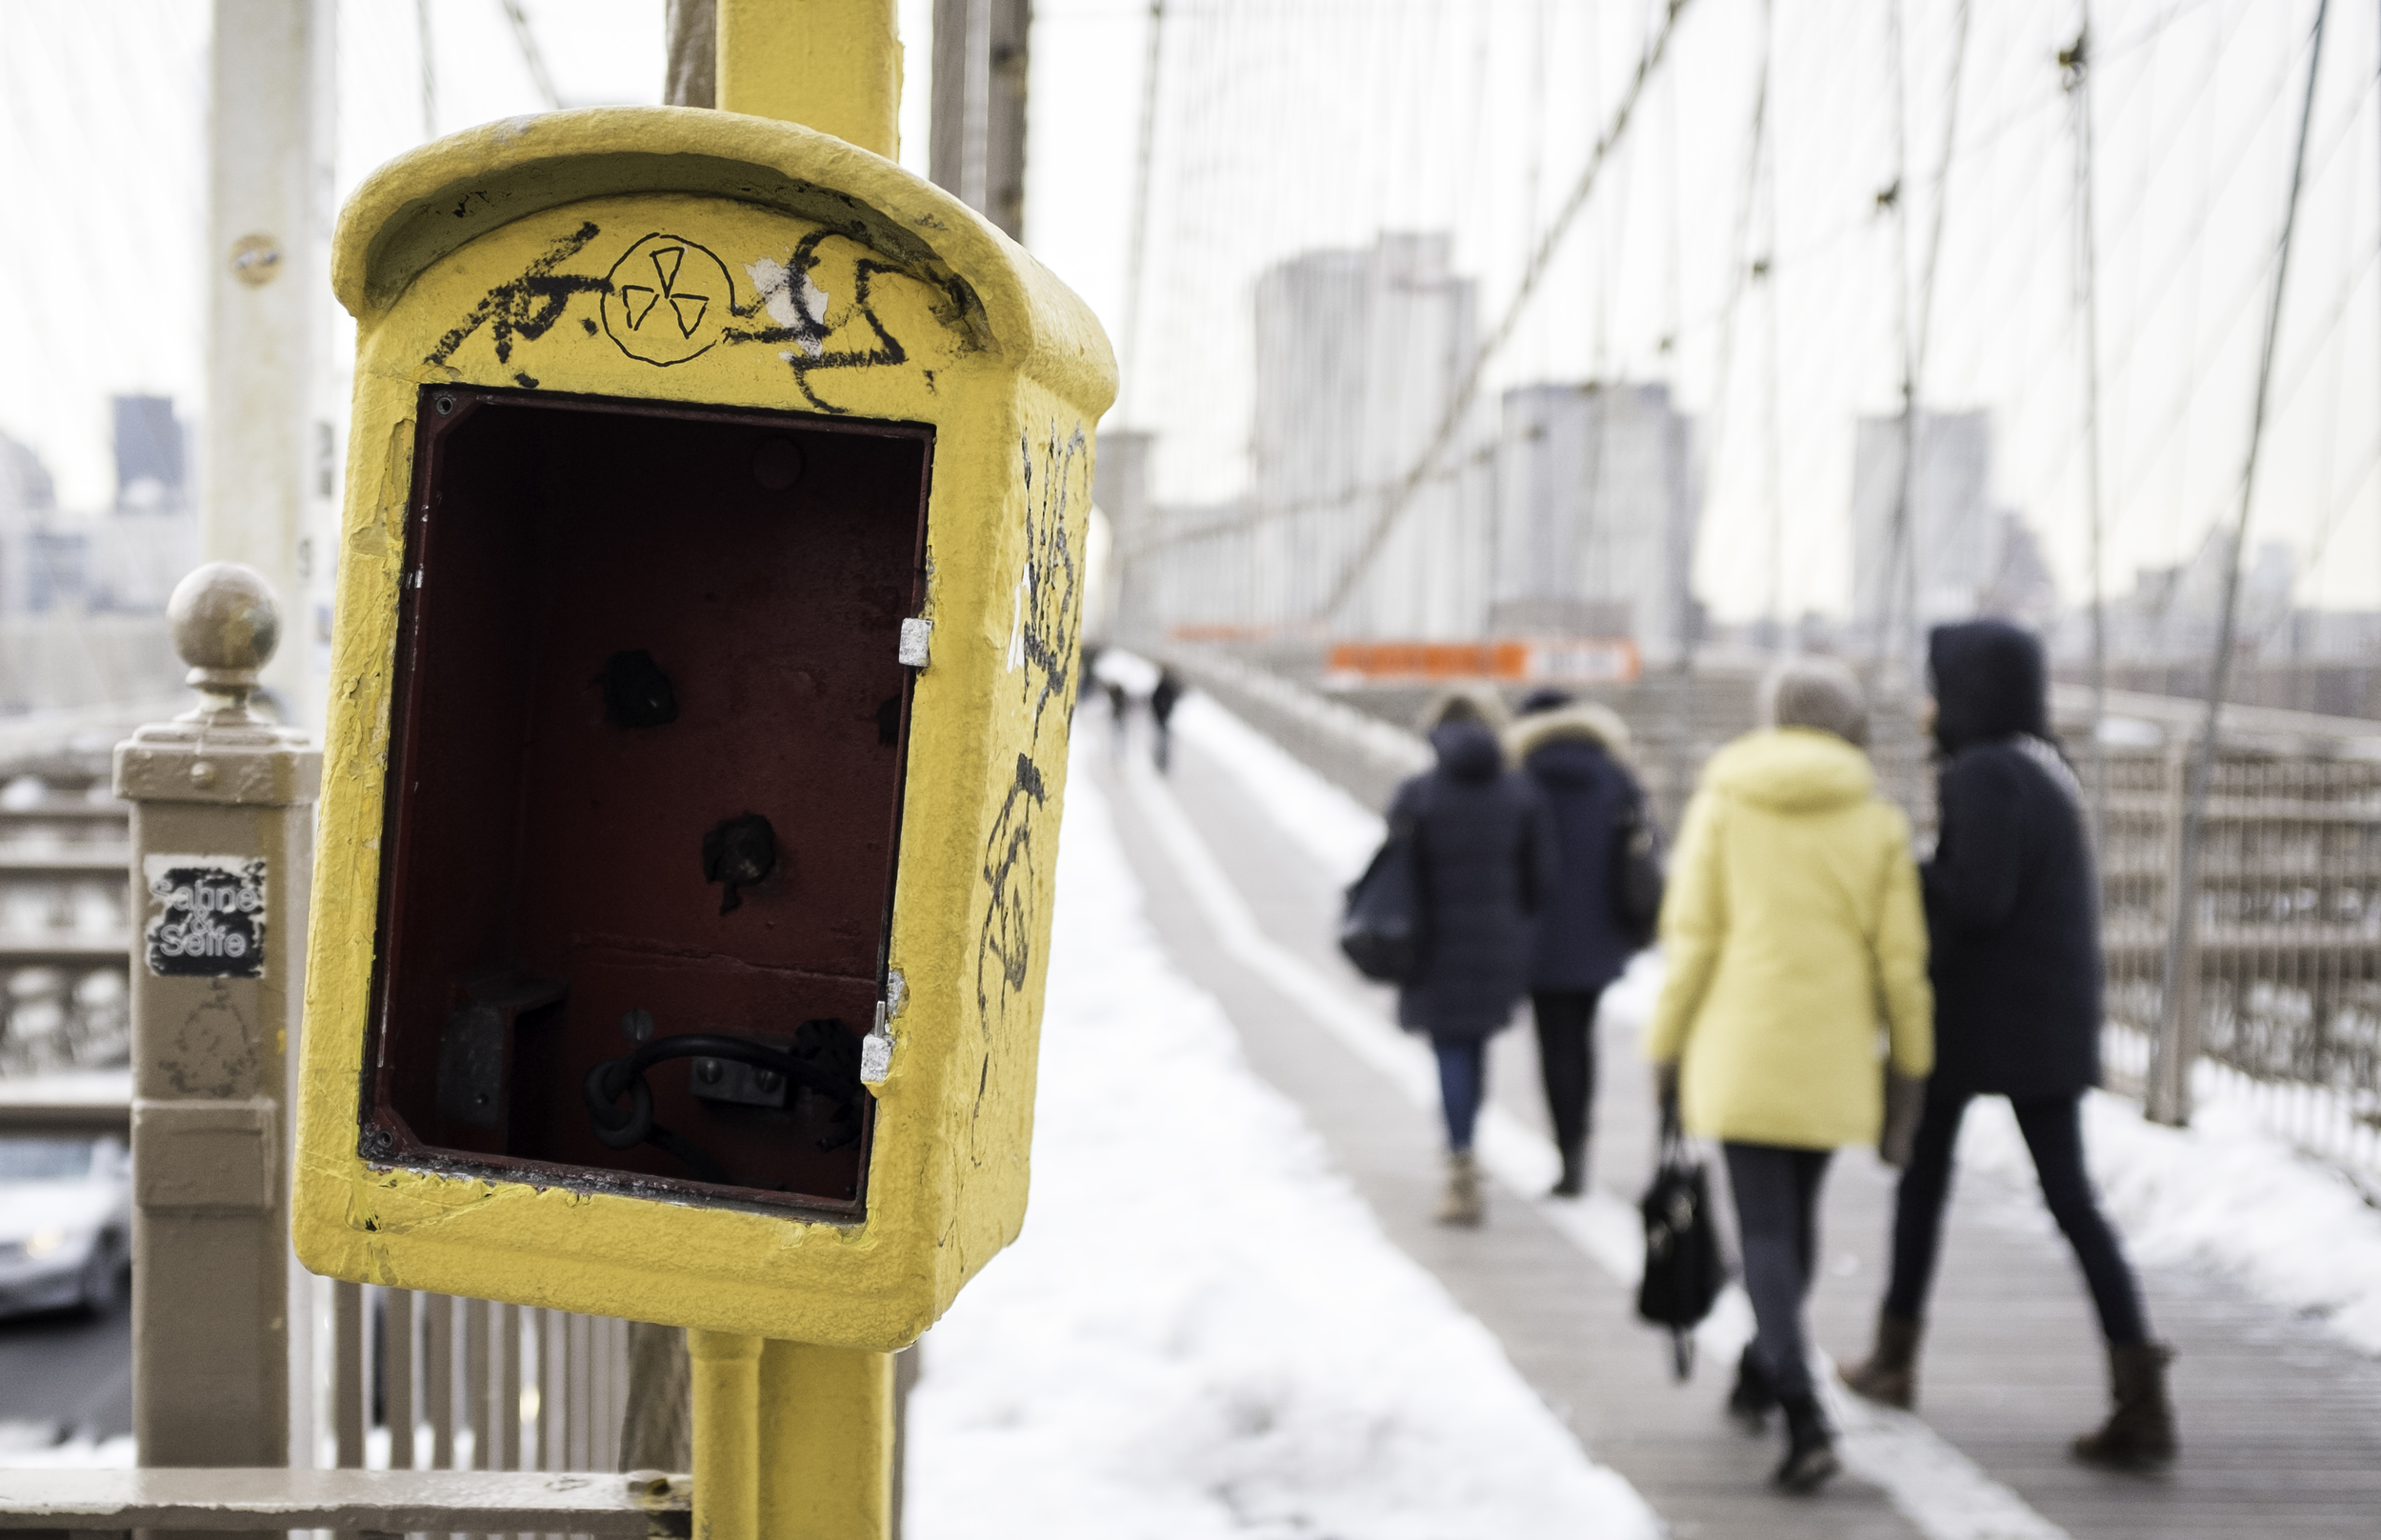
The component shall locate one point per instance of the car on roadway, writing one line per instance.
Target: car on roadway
(65, 1224)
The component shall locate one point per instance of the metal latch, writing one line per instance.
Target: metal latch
(876, 1049)
(917, 635)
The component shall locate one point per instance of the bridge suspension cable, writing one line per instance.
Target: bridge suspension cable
(1385, 523)
(2169, 1085)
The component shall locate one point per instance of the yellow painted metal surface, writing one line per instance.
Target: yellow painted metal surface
(857, 290)
(727, 1386)
(826, 1442)
(830, 65)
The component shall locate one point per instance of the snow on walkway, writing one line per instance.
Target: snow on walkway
(2223, 1193)
(1202, 1330)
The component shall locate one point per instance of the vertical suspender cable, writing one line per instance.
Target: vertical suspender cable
(1136, 257)
(2176, 1046)
(1896, 201)
(1773, 448)
(2076, 65)
(531, 55)
(430, 71)
(1400, 497)
(1682, 601)
(1901, 655)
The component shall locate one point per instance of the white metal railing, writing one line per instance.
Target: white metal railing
(430, 1382)
(403, 1380)
(2287, 961)
(65, 927)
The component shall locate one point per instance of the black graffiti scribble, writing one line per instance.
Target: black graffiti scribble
(1053, 613)
(1004, 949)
(1049, 627)
(809, 354)
(527, 307)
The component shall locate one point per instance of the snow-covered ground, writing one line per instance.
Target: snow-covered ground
(2223, 1193)
(29, 1446)
(1202, 1330)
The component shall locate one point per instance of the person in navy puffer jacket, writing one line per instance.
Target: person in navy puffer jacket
(1577, 753)
(1487, 860)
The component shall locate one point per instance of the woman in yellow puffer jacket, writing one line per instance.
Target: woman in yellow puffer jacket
(1795, 946)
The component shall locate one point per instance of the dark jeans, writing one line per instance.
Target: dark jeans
(1462, 1081)
(2053, 1131)
(1566, 1020)
(1777, 1224)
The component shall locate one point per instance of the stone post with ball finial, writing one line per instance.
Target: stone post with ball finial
(222, 852)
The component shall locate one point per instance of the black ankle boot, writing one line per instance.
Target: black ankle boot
(1574, 1179)
(1809, 1446)
(1755, 1396)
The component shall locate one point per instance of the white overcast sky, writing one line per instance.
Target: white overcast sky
(1288, 124)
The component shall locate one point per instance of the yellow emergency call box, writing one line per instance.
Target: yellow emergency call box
(706, 644)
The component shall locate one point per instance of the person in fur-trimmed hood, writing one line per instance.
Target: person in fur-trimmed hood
(1577, 752)
(1486, 858)
(2013, 916)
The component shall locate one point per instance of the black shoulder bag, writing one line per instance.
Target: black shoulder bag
(1683, 1268)
(1381, 925)
(1636, 871)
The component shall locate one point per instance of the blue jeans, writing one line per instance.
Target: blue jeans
(1462, 1081)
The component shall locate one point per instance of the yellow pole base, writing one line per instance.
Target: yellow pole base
(827, 1442)
(727, 1370)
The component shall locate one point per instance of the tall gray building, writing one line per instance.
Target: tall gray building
(1597, 495)
(149, 462)
(1957, 555)
(1359, 355)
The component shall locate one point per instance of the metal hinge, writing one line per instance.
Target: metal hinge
(876, 1049)
(917, 635)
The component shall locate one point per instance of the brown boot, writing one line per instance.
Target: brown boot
(2140, 1432)
(1462, 1205)
(1890, 1376)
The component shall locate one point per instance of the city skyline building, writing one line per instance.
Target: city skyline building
(1599, 494)
(1359, 355)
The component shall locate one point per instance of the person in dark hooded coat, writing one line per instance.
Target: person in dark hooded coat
(1487, 858)
(1577, 753)
(2013, 925)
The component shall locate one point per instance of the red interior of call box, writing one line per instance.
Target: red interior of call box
(644, 780)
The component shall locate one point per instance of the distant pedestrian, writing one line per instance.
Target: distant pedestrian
(1486, 857)
(1577, 753)
(1164, 696)
(1119, 720)
(2013, 907)
(1794, 936)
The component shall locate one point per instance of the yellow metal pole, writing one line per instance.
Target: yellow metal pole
(796, 1440)
(726, 1434)
(827, 1442)
(830, 65)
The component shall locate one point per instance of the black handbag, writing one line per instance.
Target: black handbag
(1684, 1270)
(1636, 875)
(1381, 925)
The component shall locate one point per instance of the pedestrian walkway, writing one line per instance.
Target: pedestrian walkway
(2282, 1426)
